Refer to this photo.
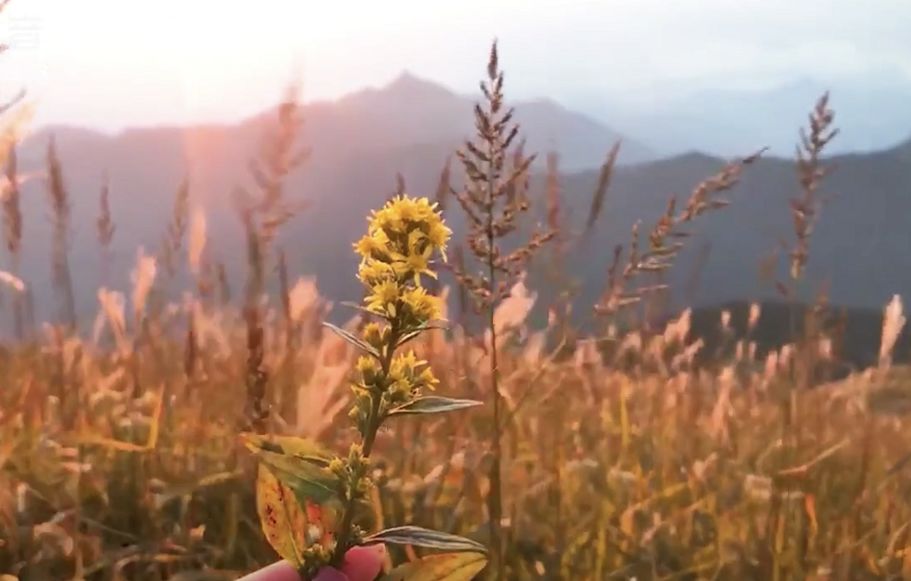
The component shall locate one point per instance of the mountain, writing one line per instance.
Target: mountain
(860, 245)
(412, 111)
(872, 112)
(858, 250)
(359, 143)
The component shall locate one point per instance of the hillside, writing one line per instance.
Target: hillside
(858, 249)
(359, 144)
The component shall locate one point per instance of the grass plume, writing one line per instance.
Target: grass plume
(664, 241)
(177, 229)
(105, 228)
(604, 179)
(811, 172)
(58, 197)
(262, 216)
(12, 232)
(492, 200)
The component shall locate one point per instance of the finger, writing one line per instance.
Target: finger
(333, 574)
(364, 563)
(281, 571)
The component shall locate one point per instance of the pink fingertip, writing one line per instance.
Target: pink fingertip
(364, 563)
(332, 574)
(281, 571)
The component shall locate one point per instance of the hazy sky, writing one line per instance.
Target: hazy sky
(110, 63)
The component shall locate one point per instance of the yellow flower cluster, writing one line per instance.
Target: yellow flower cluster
(396, 252)
(406, 378)
(408, 375)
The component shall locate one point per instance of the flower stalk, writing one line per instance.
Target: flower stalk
(396, 257)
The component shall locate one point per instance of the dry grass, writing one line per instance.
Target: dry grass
(58, 197)
(104, 229)
(12, 230)
(658, 469)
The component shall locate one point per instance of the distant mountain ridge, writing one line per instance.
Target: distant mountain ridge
(860, 245)
(872, 113)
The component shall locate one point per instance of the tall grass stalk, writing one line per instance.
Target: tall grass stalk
(12, 233)
(262, 215)
(493, 199)
(60, 216)
(104, 229)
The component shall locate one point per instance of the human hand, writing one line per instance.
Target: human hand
(361, 564)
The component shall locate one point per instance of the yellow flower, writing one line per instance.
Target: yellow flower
(412, 209)
(413, 264)
(375, 335)
(397, 251)
(392, 216)
(416, 241)
(438, 235)
(360, 411)
(403, 365)
(421, 305)
(390, 222)
(403, 214)
(407, 376)
(418, 263)
(406, 209)
(395, 374)
(428, 379)
(372, 271)
(411, 366)
(369, 369)
(373, 245)
(399, 391)
(383, 297)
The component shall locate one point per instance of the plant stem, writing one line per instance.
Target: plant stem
(369, 437)
(495, 500)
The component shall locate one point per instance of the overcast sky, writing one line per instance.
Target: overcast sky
(111, 63)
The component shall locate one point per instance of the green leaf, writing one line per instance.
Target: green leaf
(303, 448)
(425, 327)
(445, 567)
(306, 479)
(281, 517)
(433, 404)
(421, 537)
(352, 339)
(298, 463)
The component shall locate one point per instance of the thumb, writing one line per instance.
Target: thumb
(364, 563)
(280, 571)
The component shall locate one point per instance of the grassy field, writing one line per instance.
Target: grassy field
(125, 463)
